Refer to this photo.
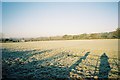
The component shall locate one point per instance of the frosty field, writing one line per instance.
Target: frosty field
(69, 59)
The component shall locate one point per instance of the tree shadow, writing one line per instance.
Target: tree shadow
(47, 68)
(104, 67)
(13, 62)
(36, 69)
(8, 54)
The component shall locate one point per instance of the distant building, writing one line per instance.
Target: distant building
(22, 40)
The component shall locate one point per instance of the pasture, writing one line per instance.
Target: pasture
(67, 59)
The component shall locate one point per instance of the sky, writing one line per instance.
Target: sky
(60, 0)
(39, 19)
(0, 17)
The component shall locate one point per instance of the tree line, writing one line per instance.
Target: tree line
(106, 35)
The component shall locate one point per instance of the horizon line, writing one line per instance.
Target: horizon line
(57, 35)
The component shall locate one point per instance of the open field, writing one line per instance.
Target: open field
(60, 59)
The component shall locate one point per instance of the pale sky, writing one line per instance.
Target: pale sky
(36, 19)
(0, 17)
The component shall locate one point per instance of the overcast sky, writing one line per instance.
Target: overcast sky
(25, 19)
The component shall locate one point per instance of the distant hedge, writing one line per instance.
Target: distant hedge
(106, 35)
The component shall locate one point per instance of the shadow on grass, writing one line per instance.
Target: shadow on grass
(104, 67)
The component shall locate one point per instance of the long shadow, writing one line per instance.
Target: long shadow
(35, 70)
(13, 62)
(7, 54)
(79, 61)
(104, 67)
